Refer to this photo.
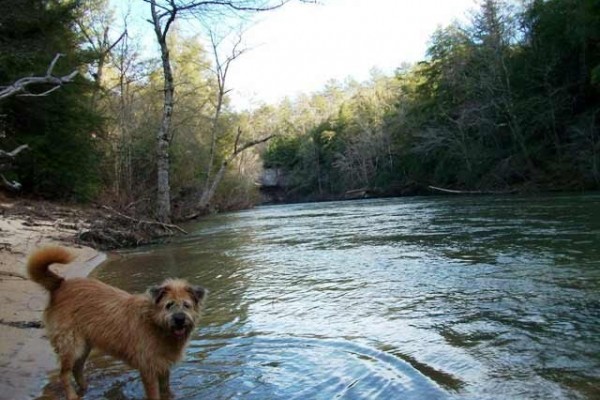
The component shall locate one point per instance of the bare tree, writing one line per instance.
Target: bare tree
(163, 15)
(238, 149)
(95, 24)
(221, 70)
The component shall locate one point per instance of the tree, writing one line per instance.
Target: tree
(20, 87)
(163, 15)
(221, 70)
(31, 33)
(94, 23)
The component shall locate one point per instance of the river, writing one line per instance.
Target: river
(411, 298)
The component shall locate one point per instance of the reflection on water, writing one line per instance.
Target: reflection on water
(417, 298)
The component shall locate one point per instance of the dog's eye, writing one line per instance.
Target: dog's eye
(169, 305)
(187, 304)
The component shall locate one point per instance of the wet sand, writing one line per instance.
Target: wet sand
(26, 358)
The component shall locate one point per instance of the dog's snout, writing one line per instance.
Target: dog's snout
(179, 319)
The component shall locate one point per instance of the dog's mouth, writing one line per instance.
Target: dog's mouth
(179, 332)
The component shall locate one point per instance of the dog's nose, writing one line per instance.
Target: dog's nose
(179, 319)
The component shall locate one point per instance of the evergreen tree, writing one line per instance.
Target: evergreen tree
(60, 128)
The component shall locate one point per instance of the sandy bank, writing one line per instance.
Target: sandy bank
(26, 357)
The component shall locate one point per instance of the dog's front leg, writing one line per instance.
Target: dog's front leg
(165, 385)
(151, 386)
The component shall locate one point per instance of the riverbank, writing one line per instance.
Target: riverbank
(26, 357)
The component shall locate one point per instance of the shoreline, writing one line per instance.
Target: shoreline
(26, 356)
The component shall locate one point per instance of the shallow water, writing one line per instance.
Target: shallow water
(412, 298)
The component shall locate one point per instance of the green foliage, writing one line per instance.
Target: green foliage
(510, 99)
(61, 128)
(31, 33)
(282, 152)
(65, 157)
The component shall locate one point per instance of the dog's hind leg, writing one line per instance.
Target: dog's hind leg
(79, 365)
(69, 348)
(66, 368)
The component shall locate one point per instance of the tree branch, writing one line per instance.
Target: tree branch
(252, 143)
(12, 185)
(14, 153)
(46, 93)
(21, 85)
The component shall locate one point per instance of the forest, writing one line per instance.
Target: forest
(508, 101)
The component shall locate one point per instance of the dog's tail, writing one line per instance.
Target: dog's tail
(40, 260)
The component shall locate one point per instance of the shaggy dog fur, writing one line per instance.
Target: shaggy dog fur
(149, 331)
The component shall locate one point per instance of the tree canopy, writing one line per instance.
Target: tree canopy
(508, 100)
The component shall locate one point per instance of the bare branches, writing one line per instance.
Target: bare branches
(14, 153)
(222, 67)
(12, 185)
(163, 15)
(249, 144)
(165, 12)
(21, 85)
(211, 186)
(241, 5)
(146, 222)
(7, 165)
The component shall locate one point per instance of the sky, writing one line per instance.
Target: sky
(300, 47)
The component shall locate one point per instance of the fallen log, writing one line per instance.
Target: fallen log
(453, 191)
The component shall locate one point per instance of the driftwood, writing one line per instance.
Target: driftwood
(356, 194)
(452, 191)
(116, 230)
(147, 222)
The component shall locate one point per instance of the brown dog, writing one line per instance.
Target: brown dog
(149, 332)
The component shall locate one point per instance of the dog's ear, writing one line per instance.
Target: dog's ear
(197, 292)
(156, 293)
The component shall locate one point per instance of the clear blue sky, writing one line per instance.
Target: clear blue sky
(299, 47)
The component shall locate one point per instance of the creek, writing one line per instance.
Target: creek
(414, 298)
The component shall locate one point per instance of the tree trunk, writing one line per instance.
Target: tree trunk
(213, 144)
(163, 137)
(208, 195)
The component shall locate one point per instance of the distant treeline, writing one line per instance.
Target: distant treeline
(509, 100)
